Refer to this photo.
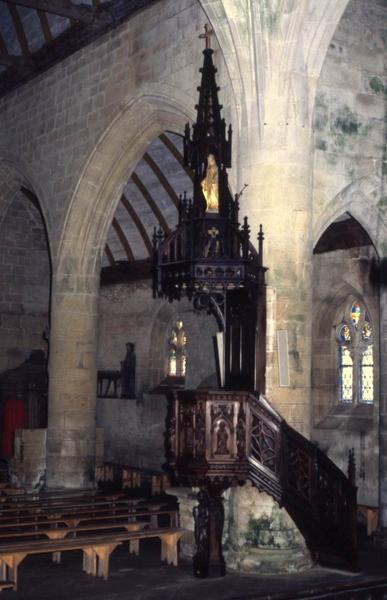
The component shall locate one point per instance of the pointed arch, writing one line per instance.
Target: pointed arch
(142, 118)
(360, 200)
(14, 178)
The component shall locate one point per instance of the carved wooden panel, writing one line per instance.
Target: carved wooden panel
(221, 437)
(263, 443)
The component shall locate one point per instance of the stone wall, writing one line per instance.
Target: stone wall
(24, 282)
(258, 536)
(349, 176)
(129, 313)
(134, 429)
(349, 117)
(75, 101)
(342, 276)
(28, 466)
(78, 130)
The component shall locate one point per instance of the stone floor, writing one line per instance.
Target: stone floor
(145, 578)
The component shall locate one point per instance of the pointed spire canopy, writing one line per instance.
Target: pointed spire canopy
(209, 121)
(209, 131)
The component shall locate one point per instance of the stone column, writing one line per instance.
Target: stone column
(279, 174)
(72, 383)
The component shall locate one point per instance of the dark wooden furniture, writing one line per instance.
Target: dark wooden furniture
(96, 550)
(93, 523)
(221, 438)
(217, 439)
(105, 379)
(28, 381)
(129, 477)
(6, 585)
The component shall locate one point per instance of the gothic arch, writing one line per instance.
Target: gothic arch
(301, 38)
(13, 178)
(141, 118)
(359, 199)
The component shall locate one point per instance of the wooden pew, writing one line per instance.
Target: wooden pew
(41, 507)
(75, 519)
(6, 585)
(60, 498)
(129, 477)
(96, 550)
(12, 554)
(55, 530)
(39, 510)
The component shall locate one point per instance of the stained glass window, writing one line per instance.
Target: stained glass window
(346, 375)
(366, 331)
(356, 365)
(345, 334)
(355, 313)
(177, 358)
(367, 375)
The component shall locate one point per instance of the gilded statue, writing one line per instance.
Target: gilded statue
(210, 185)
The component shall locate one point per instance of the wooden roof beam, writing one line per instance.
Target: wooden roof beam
(123, 239)
(161, 177)
(176, 153)
(151, 203)
(44, 24)
(139, 224)
(21, 34)
(90, 15)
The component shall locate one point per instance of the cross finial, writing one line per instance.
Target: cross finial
(208, 32)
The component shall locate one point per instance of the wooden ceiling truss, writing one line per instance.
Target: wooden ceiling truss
(86, 24)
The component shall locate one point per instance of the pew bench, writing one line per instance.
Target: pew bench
(49, 496)
(129, 477)
(73, 517)
(55, 529)
(96, 550)
(73, 521)
(6, 585)
(37, 507)
(13, 553)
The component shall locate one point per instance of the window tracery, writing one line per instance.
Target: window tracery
(356, 363)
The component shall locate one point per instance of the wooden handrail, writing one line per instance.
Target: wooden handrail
(223, 436)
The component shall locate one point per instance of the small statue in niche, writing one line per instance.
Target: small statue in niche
(222, 439)
(212, 243)
(210, 186)
(188, 432)
(128, 373)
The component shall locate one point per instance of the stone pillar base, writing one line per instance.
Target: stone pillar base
(187, 498)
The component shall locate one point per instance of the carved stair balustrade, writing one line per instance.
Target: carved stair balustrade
(221, 438)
